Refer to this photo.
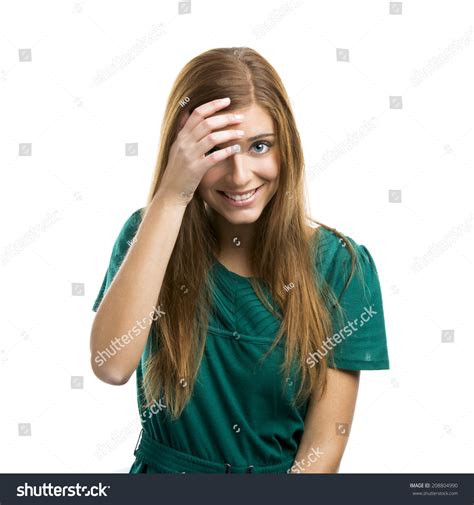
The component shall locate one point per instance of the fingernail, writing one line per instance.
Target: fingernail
(225, 100)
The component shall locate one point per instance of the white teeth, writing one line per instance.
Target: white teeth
(239, 198)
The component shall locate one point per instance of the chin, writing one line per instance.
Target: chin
(240, 218)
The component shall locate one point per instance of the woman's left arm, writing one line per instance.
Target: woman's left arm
(327, 424)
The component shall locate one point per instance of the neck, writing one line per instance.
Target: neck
(235, 240)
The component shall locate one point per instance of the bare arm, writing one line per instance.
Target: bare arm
(131, 297)
(129, 304)
(327, 425)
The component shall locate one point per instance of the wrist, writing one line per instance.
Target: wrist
(172, 201)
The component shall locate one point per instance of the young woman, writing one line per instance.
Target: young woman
(247, 325)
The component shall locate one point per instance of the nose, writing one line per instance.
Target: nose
(240, 170)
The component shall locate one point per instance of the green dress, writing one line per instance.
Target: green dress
(240, 418)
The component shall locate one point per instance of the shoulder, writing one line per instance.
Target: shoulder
(135, 218)
(131, 224)
(121, 245)
(340, 259)
(355, 300)
(127, 233)
(333, 248)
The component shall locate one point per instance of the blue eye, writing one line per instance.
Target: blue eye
(264, 143)
(267, 144)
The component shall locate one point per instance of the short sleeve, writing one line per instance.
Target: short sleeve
(119, 251)
(358, 340)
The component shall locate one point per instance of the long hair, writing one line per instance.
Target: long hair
(305, 312)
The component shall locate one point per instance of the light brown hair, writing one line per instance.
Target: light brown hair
(247, 78)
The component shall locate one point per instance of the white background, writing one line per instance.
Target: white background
(63, 206)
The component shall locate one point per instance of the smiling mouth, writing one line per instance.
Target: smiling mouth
(241, 199)
(241, 195)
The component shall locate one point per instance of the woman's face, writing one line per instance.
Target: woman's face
(257, 165)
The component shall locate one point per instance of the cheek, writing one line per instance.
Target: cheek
(208, 181)
(270, 169)
(209, 178)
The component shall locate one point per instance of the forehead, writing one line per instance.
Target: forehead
(255, 116)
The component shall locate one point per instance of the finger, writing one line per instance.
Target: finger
(216, 122)
(216, 139)
(220, 155)
(203, 111)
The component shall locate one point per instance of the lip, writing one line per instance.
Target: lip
(240, 192)
(243, 203)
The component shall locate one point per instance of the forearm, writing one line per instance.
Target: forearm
(130, 301)
(327, 424)
(317, 456)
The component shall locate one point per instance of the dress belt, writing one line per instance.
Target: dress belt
(169, 460)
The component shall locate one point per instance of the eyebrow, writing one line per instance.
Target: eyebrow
(250, 139)
(260, 135)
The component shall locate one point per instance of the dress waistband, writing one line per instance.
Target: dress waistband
(171, 460)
